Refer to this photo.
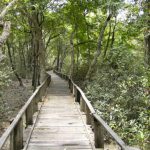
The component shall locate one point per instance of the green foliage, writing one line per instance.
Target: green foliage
(119, 92)
(5, 74)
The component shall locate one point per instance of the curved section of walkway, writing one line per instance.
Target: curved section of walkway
(60, 124)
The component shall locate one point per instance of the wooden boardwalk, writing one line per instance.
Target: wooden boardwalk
(60, 124)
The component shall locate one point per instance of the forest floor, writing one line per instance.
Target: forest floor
(12, 98)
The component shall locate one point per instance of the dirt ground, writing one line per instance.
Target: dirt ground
(12, 98)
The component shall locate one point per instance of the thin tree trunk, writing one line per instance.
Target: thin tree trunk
(58, 55)
(108, 40)
(13, 66)
(72, 54)
(113, 34)
(89, 45)
(6, 26)
(98, 52)
(147, 34)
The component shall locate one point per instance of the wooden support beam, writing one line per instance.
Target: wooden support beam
(29, 114)
(16, 139)
(98, 134)
(82, 105)
(88, 115)
(78, 95)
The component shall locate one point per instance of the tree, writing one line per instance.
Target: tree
(98, 52)
(5, 25)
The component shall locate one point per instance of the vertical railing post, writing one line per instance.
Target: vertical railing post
(71, 89)
(17, 136)
(35, 103)
(75, 93)
(82, 105)
(74, 90)
(98, 135)
(88, 115)
(69, 82)
(29, 114)
(78, 95)
(11, 146)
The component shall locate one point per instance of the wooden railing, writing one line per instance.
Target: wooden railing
(92, 118)
(13, 137)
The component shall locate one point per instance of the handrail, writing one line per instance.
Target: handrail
(15, 130)
(92, 117)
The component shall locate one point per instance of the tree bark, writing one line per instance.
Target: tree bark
(147, 34)
(6, 26)
(108, 40)
(113, 34)
(98, 52)
(5, 33)
(58, 55)
(12, 65)
(38, 48)
(72, 54)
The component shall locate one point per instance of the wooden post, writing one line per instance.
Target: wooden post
(11, 146)
(17, 136)
(88, 115)
(29, 115)
(75, 93)
(71, 89)
(35, 104)
(69, 82)
(82, 105)
(78, 95)
(98, 135)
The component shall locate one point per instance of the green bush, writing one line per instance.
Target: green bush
(5, 74)
(119, 94)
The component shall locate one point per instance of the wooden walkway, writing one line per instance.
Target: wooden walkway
(60, 124)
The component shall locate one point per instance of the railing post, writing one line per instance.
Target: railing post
(11, 146)
(82, 105)
(69, 82)
(98, 135)
(16, 139)
(88, 115)
(78, 95)
(29, 115)
(74, 90)
(71, 89)
(35, 103)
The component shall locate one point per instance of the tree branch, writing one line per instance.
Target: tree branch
(5, 33)
(6, 9)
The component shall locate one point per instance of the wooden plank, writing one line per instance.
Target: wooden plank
(58, 116)
(61, 136)
(56, 143)
(65, 130)
(47, 147)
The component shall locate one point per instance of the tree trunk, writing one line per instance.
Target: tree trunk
(108, 40)
(113, 34)
(72, 54)
(12, 65)
(38, 48)
(147, 34)
(98, 52)
(6, 26)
